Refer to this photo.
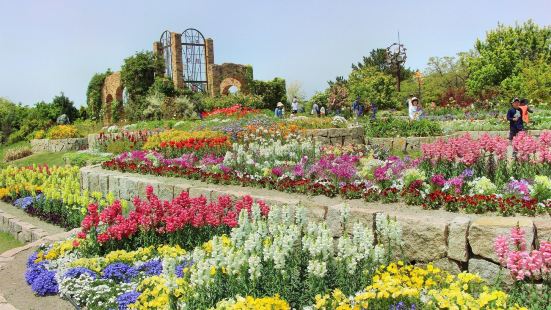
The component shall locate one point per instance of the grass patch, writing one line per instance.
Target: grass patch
(50, 159)
(8, 242)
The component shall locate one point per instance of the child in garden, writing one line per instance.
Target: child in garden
(514, 116)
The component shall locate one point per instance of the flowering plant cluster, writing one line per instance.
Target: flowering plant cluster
(236, 110)
(50, 193)
(283, 257)
(520, 261)
(62, 132)
(400, 286)
(184, 220)
(123, 141)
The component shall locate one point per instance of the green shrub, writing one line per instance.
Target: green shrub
(81, 159)
(93, 95)
(393, 127)
(252, 101)
(271, 92)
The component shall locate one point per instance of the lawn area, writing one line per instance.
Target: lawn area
(7, 242)
(51, 159)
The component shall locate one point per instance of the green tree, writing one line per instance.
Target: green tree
(378, 59)
(372, 85)
(501, 55)
(138, 75)
(271, 91)
(63, 105)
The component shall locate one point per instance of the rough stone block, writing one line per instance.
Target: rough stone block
(114, 186)
(362, 215)
(489, 271)
(103, 182)
(424, 237)
(93, 182)
(166, 191)
(484, 230)
(543, 230)
(457, 239)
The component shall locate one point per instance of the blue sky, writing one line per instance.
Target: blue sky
(51, 46)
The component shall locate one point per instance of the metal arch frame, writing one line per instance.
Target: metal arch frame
(167, 52)
(195, 59)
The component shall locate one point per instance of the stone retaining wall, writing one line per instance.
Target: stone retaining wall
(454, 241)
(20, 230)
(337, 136)
(59, 145)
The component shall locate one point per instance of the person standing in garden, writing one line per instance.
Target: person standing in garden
(373, 110)
(356, 107)
(294, 106)
(412, 108)
(514, 116)
(525, 110)
(315, 109)
(279, 110)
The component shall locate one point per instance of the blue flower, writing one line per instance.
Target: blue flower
(45, 284)
(402, 306)
(153, 267)
(78, 271)
(126, 299)
(31, 259)
(33, 272)
(120, 272)
(24, 203)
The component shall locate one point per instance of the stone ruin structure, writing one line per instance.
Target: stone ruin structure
(218, 78)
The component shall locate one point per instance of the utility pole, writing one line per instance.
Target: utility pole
(396, 57)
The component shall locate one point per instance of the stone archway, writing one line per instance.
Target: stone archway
(112, 90)
(227, 83)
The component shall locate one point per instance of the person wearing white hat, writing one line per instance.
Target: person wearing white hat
(412, 107)
(279, 110)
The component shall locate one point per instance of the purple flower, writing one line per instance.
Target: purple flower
(467, 173)
(31, 259)
(152, 268)
(402, 306)
(126, 299)
(225, 169)
(78, 271)
(120, 272)
(24, 202)
(277, 171)
(438, 180)
(45, 284)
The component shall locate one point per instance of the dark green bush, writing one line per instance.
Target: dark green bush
(392, 127)
(271, 92)
(84, 159)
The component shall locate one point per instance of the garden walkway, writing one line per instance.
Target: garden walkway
(14, 291)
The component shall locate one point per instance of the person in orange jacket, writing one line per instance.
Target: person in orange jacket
(525, 110)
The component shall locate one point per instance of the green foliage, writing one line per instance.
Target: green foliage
(321, 98)
(210, 103)
(180, 107)
(138, 75)
(117, 110)
(378, 59)
(11, 118)
(82, 159)
(372, 85)
(394, 127)
(271, 92)
(163, 85)
(63, 105)
(501, 55)
(93, 95)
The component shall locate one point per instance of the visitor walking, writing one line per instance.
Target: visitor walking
(294, 106)
(374, 109)
(514, 116)
(315, 109)
(322, 111)
(525, 110)
(356, 107)
(279, 110)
